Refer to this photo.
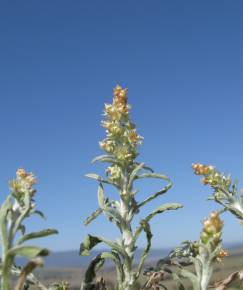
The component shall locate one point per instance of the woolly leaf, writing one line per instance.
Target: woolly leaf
(6, 206)
(29, 252)
(88, 244)
(35, 235)
(146, 227)
(101, 197)
(163, 208)
(90, 273)
(93, 216)
(153, 175)
(92, 241)
(40, 213)
(93, 176)
(155, 195)
(160, 192)
(134, 174)
(98, 178)
(192, 277)
(104, 158)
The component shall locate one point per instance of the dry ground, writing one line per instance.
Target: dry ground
(74, 275)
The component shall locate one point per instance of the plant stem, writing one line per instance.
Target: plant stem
(5, 285)
(127, 236)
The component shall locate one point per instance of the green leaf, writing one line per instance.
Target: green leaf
(155, 195)
(104, 158)
(93, 216)
(235, 211)
(90, 273)
(22, 229)
(163, 208)
(153, 175)
(40, 213)
(113, 215)
(145, 167)
(5, 208)
(99, 178)
(88, 244)
(101, 197)
(96, 264)
(110, 255)
(105, 206)
(116, 259)
(93, 176)
(35, 235)
(29, 252)
(146, 227)
(160, 192)
(134, 174)
(91, 241)
(192, 277)
(110, 212)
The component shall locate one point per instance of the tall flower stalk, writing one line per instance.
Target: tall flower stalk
(121, 150)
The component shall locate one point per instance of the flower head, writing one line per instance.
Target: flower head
(211, 176)
(121, 137)
(23, 183)
(21, 173)
(114, 173)
(212, 229)
(221, 255)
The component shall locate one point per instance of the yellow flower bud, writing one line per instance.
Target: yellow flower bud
(117, 90)
(21, 173)
(204, 237)
(30, 179)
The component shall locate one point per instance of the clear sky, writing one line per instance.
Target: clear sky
(183, 64)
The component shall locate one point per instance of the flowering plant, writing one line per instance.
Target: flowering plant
(225, 191)
(208, 249)
(121, 152)
(18, 206)
(202, 254)
(121, 148)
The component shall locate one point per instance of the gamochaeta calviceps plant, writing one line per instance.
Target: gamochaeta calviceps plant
(19, 206)
(121, 150)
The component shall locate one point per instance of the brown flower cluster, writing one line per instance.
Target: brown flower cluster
(201, 169)
(211, 176)
(221, 255)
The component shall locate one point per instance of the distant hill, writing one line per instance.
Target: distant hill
(71, 259)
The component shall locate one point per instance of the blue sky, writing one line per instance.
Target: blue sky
(183, 64)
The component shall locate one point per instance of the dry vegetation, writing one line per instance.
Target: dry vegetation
(74, 275)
